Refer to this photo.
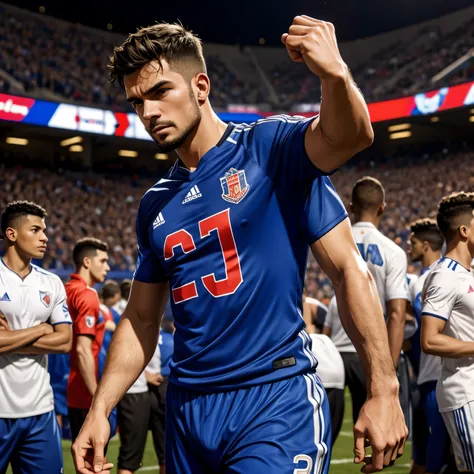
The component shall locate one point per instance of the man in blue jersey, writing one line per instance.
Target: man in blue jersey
(222, 233)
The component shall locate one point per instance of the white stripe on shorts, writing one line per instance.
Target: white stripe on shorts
(316, 397)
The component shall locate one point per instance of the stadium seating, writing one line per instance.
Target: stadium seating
(50, 58)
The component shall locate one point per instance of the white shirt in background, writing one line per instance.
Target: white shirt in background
(24, 379)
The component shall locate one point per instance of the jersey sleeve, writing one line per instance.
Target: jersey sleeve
(277, 143)
(396, 283)
(88, 309)
(149, 268)
(60, 311)
(323, 210)
(439, 297)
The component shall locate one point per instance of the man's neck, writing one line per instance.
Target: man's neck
(372, 219)
(17, 263)
(86, 275)
(207, 136)
(461, 254)
(430, 258)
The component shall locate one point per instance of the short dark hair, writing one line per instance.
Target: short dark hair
(368, 194)
(17, 209)
(87, 247)
(427, 230)
(453, 211)
(168, 41)
(125, 287)
(110, 289)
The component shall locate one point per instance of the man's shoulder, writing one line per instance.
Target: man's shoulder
(47, 275)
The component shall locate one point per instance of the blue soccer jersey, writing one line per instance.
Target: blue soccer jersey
(229, 239)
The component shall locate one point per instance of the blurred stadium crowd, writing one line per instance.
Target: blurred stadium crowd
(66, 61)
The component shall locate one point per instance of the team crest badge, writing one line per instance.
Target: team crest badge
(234, 186)
(45, 297)
(90, 321)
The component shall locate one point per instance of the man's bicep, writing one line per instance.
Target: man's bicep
(84, 342)
(322, 155)
(147, 300)
(65, 329)
(397, 305)
(431, 326)
(336, 252)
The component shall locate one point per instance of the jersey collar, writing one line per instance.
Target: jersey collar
(77, 277)
(15, 273)
(179, 165)
(364, 224)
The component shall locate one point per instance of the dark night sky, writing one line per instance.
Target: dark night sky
(247, 20)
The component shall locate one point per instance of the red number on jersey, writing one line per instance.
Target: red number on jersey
(221, 223)
(182, 239)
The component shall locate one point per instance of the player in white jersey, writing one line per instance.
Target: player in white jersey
(35, 322)
(448, 324)
(430, 438)
(314, 314)
(386, 261)
(331, 373)
(387, 264)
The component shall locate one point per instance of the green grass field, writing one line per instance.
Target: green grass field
(341, 461)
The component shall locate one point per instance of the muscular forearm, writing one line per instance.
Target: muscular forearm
(344, 117)
(447, 346)
(56, 343)
(396, 332)
(10, 341)
(86, 365)
(132, 347)
(362, 317)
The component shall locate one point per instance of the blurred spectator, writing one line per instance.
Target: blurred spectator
(71, 62)
(125, 287)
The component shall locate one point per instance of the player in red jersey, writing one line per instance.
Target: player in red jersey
(90, 258)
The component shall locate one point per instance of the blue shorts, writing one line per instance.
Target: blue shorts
(276, 428)
(32, 445)
(437, 450)
(60, 402)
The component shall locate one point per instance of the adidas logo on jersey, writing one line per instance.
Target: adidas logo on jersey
(5, 297)
(193, 194)
(158, 221)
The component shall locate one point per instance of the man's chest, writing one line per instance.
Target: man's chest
(25, 304)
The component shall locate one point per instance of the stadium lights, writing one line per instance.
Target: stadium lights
(435, 119)
(16, 141)
(71, 141)
(471, 118)
(76, 148)
(128, 153)
(395, 136)
(399, 127)
(161, 156)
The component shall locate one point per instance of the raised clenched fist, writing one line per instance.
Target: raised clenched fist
(314, 42)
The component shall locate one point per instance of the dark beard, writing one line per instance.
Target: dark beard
(190, 129)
